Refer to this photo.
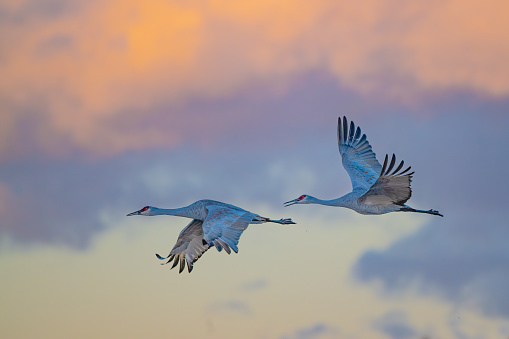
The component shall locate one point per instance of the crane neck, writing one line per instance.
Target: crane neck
(179, 212)
(339, 202)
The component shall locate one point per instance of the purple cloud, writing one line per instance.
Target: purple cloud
(314, 331)
(395, 325)
(460, 170)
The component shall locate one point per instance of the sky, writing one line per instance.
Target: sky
(108, 106)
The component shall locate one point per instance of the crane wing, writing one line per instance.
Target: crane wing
(189, 247)
(224, 226)
(357, 156)
(390, 188)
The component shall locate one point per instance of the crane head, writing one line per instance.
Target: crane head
(144, 211)
(303, 199)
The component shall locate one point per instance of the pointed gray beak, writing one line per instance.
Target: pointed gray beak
(291, 202)
(134, 213)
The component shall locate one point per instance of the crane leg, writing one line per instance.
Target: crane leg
(410, 209)
(282, 221)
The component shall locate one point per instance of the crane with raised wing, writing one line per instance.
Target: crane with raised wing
(377, 189)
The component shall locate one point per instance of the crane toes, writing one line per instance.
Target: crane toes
(435, 212)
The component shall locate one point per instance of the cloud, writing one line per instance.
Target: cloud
(463, 260)
(254, 285)
(60, 201)
(272, 158)
(395, 325)
(318, 330)
(463, 256)
(231, 306)
(52, 199)
(55, 203)
(108, 77)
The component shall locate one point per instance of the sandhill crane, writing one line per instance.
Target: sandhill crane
(375, 189)
(214, 224)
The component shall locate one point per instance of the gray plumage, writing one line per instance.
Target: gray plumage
(376, 189)
(214, 224)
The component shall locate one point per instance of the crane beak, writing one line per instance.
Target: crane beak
(291, 202)
(134, 213)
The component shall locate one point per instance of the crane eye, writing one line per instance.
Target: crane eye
(144, 209)
(302, 197)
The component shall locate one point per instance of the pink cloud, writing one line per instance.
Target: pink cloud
(85, 70)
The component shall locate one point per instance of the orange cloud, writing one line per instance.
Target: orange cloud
(83, 69)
